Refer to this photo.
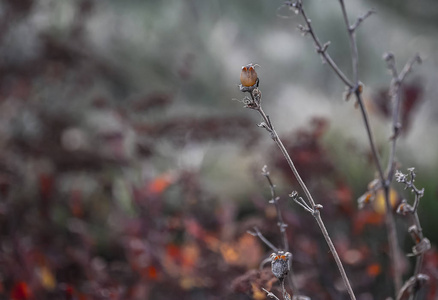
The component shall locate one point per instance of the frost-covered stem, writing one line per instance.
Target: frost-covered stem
(419, 262)
(356, 88)
(316, 213)
(322, 49)
(395, 90)
(415, 230)
(269, 294)
(257, 233)
(281, 225)
(370, 136)
(353, 45)
(279, 143)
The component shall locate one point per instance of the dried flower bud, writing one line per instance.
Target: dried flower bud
(404, 208)
(400, 177)
(421, 247)
(360, 88)
(365, 199)
(248, 76)
(280, 264)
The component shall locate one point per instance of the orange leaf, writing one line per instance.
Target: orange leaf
(161, 183)
(374, 270)
(152, 272)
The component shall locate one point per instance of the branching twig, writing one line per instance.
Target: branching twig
(397, 81)
(321, 49)
(257, 233)
(422, 244)
(282, 226)
(389, 219)
(255, 104)
(355, 87)
(361, 19)
(270, 295)
(274, 200)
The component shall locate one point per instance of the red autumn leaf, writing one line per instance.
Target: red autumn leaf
(152, 272)
(46, 183)
(173, 251)
(76, 203)
(20, 291)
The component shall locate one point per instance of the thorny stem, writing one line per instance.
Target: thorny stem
(316, 213)
(281, 225)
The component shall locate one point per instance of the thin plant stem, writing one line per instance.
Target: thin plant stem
(355, 87)
(370, 136)
(322, 49)
(397, 81)
(257, 233)
(389, 218)
(316, 213)
(353, 46)
(281, 225)
(422, 243)
(394, 252)
(269, 294)
(395, 90)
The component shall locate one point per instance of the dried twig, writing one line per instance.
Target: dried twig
(422, 244)
(355, 87)
(274, 200)
(361, 19)
(257, 233)
(321, 49)
(270, 295)
(397, 81)
(254, 102)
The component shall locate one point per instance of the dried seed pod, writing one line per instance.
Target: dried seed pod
(280, 264)
(248, 76)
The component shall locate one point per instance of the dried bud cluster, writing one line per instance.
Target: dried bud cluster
(280, 264)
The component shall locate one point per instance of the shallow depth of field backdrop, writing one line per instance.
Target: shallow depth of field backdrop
(127, 170)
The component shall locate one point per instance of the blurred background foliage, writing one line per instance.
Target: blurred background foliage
(129, 171)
